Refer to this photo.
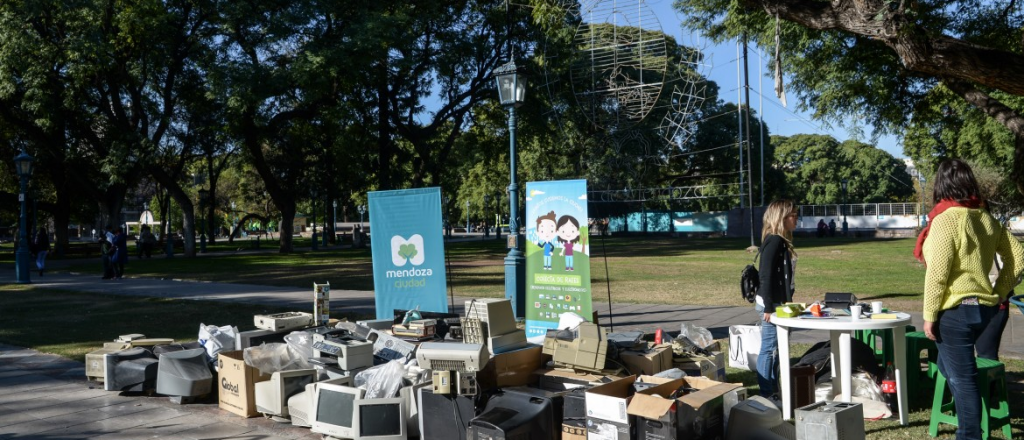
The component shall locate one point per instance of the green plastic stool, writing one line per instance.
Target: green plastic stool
(881, 342)
(995, 410)
(916, 378)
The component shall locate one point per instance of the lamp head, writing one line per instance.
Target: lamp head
(511, 83)
(23, 164)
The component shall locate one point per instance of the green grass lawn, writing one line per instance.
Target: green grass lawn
(637, 269)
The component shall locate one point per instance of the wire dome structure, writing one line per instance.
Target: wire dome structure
(619, 72)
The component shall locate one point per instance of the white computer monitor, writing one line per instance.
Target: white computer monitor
(379, 419)
(301, 405)
(272, 395)
(333, 408)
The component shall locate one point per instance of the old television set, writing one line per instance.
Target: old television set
(757, 417)
(184, 375)
(411, 394)
(448, 356)
(132, 370)
(333, 409)
(300, 405)
(272, 395)
(443, 416)
(379, 419)
(515, 415)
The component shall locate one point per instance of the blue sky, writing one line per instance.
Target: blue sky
(723, 65)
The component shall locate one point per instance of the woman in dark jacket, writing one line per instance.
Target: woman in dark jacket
(776, 273)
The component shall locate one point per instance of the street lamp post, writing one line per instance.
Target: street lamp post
(921, 181)
(497, 216)
(444, 213)
(23, 165)
(467, 216)
(234, 220)
(511, 84)
(203, 199)
(323, 232)
(845, 225)
(487, 199)
(313, 208)
(334, 219)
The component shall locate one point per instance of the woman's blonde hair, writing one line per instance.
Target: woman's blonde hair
(775, 220)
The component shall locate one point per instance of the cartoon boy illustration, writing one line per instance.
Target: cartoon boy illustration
(568, 233)
(545, 236)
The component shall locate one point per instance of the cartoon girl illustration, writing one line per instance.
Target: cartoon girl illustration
(568, 233)
(545, 236)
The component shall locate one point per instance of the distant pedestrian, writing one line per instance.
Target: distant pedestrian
(146, 242)
(832, 227)
(106, 252)
(41, 244)
(121, 253)
(822, 228)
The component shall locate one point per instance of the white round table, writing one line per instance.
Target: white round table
(840, 329)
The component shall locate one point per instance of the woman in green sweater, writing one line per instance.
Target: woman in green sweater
(959, 246)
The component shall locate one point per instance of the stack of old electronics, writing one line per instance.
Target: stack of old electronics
(136, 364)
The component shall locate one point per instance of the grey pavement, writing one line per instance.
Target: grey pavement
(46, 397)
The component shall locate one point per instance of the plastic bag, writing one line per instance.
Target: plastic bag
(216, 339)
(274, 357)
(864, 386)
(301, 343)
(700, 336)
(382, 381)
(744, 346)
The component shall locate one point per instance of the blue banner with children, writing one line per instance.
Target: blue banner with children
(407, 250)
(557, 253)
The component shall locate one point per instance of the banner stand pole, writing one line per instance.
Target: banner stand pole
(608, 282)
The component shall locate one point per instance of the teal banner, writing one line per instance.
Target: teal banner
(557, 253)
(408, 251)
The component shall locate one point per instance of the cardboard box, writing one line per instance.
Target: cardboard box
(598, 429)
(697, 415)
(565, 379)
(653, 361)
(237, 384)
(711, 367)
(511, 369)
(609, 401)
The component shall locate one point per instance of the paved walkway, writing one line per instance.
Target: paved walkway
(46, 397)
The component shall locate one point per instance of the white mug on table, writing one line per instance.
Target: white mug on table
(855, 312)
(876, 307)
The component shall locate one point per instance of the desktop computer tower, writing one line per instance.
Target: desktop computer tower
(830, 421)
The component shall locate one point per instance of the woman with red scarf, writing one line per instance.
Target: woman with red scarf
(958, 247)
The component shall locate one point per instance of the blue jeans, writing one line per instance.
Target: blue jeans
(768, 358)
(959, 329)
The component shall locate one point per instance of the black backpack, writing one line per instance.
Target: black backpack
(750, 280)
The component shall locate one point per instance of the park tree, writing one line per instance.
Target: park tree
(816, 165)
(879, 58)
(93, 89)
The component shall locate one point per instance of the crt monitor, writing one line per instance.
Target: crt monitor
(379, 419)
(333, 408)
(272, 395)
(184, 373)
(299, 405)
(515, 415)
(133, 370)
